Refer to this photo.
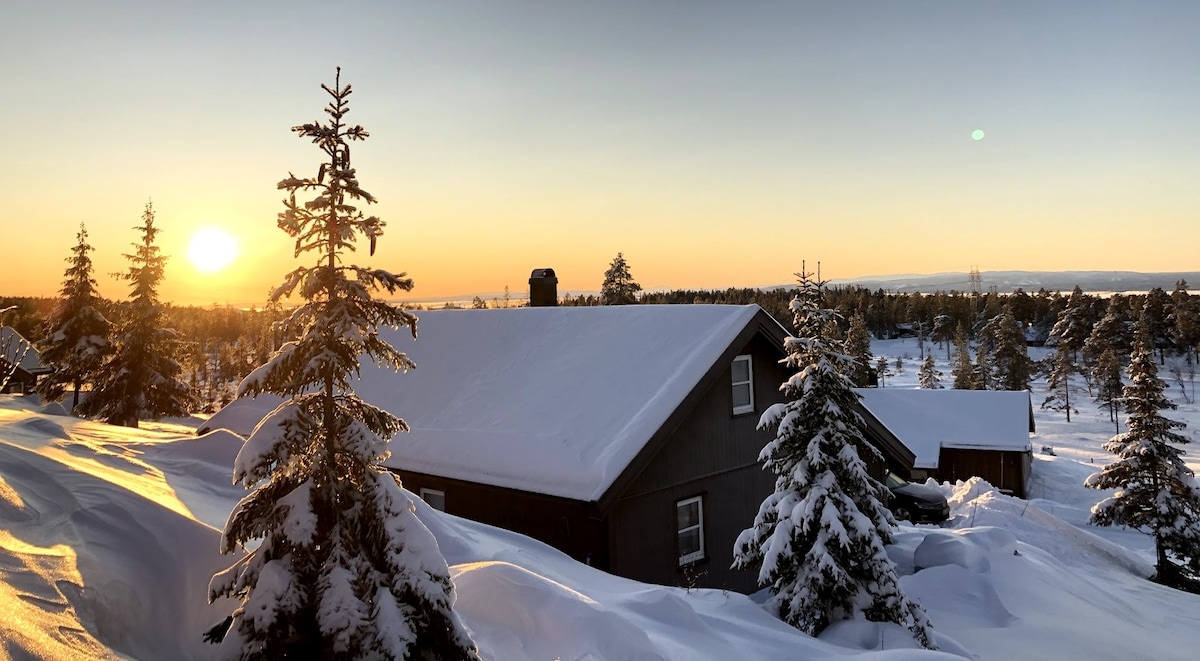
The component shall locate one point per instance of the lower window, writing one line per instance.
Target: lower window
(689, 517)
(434, 498)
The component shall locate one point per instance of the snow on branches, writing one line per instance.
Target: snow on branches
(818, 541)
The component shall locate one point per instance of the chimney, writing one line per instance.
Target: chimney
(543, 288)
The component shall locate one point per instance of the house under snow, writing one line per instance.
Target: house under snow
(18, 354)
(625, 436)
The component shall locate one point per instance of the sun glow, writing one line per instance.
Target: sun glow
(212, 249)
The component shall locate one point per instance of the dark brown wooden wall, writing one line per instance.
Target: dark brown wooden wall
(573, 527)
(713, 453)
(1004, 470)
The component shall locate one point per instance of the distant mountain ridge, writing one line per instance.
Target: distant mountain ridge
(1005, 282)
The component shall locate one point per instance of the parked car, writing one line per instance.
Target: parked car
(914, 502)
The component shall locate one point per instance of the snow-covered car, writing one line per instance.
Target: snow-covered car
(914, 502)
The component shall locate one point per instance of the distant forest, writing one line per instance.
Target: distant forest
(225, 343)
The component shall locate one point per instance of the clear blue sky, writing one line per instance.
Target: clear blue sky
(715, 144)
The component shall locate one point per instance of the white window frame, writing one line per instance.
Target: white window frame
(749, 383)
(699, 554)
(434, 492)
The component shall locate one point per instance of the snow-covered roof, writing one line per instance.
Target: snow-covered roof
(13, 343)
(927, 420)
(553, 400)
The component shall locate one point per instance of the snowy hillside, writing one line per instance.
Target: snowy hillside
(108, 537)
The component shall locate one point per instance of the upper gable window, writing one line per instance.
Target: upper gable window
(743, 385)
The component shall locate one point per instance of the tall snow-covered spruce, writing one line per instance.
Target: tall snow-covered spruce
(818, 541)
(76, 341)
(1156, 491)
(140, 380)
(344, 568)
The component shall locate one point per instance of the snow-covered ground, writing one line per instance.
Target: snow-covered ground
(108, 537)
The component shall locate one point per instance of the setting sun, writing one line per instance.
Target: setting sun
(212, 249)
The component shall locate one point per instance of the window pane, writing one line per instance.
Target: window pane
(689, 542)
(741, 395)
(741, 370)
(435, 499)
(689, 514)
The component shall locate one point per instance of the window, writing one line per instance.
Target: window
(743, 385)
(434, 498)
(689, 515)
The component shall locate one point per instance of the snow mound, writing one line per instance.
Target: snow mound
(42, 427)
(218, 447)
(976, 503)
(890, 639)
(90, 563)
(54, 408)
(564, 625)
(968, 548)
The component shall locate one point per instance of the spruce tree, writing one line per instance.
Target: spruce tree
(983, 374)
(619, 287)
(943, 331)
(77, 333)
(1074, 324)
(964, 371)
(141, 378)
(1185, 321)
(343, 568)
(883, 369)
(1155, 321)
(1106, 374)
(858, 347)
(818, 541)
(1058, 383)
(928, 375)
(1111, 332)
(1007, 358)
(1157, 492)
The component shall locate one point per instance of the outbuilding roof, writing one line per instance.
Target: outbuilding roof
(927, 420)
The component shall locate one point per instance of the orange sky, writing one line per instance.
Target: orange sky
(714, 145)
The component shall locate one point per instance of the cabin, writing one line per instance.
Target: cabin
(952, 435)
(625, 436)
(18, 356)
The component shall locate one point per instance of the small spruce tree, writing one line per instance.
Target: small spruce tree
(883, 369)
(1109, 388)
(818, 541)
(1157, 492)
(964, 371)
(1074, 325)
(1058, 383)
(77, 333)
(141, 378)
(619, 287)
(1008, 366)
(929, 376)
(344, 568)
(1111, 332)
(858, 347)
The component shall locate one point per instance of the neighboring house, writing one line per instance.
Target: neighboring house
(955, 434)
(625, 436)
(15, 349)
